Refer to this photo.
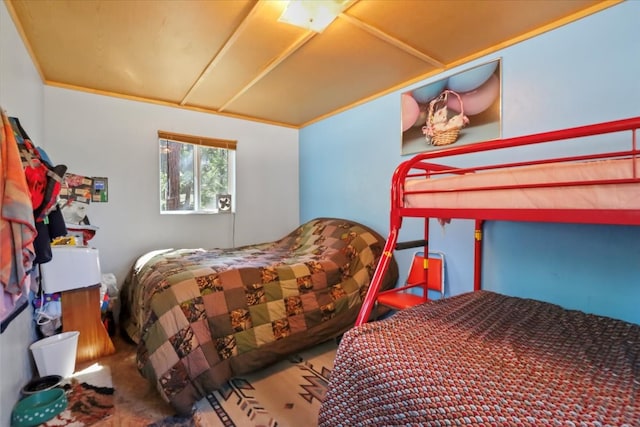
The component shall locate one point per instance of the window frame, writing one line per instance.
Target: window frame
(200, 141)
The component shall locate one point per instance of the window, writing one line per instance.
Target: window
(196, 173)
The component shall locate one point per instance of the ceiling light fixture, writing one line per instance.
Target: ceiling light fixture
(314, 15)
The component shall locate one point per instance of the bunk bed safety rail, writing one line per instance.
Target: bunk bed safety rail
(411, 178)
(620, 182)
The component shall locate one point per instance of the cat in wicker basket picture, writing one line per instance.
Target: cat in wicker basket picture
(441, 129)
(463, 108)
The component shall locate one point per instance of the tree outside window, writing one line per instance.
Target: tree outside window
(194, 173)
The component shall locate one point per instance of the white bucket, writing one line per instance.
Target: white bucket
(56, 355)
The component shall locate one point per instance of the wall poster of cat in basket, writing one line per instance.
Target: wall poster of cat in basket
(460, 109)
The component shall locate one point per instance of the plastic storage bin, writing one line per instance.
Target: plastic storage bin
(71, 267)
(56, 355)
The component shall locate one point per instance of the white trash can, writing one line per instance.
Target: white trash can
(56, 355)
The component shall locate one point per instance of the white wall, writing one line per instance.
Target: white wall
(109, 137)
(103, 136)
(21, 95)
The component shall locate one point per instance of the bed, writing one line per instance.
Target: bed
(200, 317)
(481, 358)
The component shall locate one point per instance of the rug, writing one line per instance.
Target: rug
(90, 397)
(287, 394)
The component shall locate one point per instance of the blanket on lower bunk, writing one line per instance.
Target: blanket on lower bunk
(486, 359)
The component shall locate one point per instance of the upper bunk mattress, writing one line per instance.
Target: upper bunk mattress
(465, 191)
(486, 359)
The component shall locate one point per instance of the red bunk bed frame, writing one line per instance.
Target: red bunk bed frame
(422, 166)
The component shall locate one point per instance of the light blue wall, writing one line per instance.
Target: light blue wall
(585, 72)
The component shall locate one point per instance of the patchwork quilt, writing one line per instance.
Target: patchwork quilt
(202, 316)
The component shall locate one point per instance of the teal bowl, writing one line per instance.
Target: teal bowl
(41, 384)
(38, 408)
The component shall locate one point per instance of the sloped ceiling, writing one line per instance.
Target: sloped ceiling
(234, 57)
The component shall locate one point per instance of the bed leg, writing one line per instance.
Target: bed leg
(477, 258)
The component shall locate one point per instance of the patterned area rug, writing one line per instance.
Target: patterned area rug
(287, 394)
(90, 398)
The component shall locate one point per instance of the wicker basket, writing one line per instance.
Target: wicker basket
(445, 137)
(439, 128)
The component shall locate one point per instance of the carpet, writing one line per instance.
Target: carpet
(90, 397)
(287, 394)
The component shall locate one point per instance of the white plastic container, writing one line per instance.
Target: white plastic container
(56, 355)
(71, 267)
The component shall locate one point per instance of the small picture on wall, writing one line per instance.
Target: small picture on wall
(461, 109)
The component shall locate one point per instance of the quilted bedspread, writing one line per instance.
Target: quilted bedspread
(202, 316)
(485, 359)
